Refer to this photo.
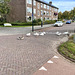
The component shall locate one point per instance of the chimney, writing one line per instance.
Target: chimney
(50, 2)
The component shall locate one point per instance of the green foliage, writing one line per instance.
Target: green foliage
(4, 8)
(67, 15)
(49, 21)
(39, 23)
(68, 49)
(35, 21)
(23, 24)
(39, 20)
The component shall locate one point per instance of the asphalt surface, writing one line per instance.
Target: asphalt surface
(19, 30)
(24, 57)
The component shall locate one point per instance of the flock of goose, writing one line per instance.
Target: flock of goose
(41, 34)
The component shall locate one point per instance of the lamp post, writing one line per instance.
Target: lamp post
(32, 17)
(42, 21)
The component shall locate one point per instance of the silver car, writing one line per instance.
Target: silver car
(58, 23)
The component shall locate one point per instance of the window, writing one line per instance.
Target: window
(38, 6)
(47, 13)
(38, 13)
(50, 8)
(34, 2)
(41, 5)
(29, 18)
(44, 6)
(41, 12)
(50, 13)
(49, 18)
(41, 19)
(44, 13)
(34, 11)
(47, 7)
(29, 10)
(55, 10)
(29, 1)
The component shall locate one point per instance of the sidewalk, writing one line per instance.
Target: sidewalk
(57, 66)
(19, 30)
(44, 26)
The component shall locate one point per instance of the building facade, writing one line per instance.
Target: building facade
(21, 10)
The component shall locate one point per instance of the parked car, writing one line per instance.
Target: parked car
(68, 22)
(59, 23)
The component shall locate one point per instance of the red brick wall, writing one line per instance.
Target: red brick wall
(17, 10)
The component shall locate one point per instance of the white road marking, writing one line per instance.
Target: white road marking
(43, 68)
(55, 57)
(50, 62)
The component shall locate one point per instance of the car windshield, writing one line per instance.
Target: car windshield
(59, 22)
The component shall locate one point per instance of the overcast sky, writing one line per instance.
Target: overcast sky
(63, 4)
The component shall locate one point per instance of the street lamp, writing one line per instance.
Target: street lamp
(32, 17)
(42, 21)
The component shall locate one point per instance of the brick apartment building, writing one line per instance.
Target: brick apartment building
(21, 10)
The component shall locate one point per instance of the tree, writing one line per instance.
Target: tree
(4, 8)
(67, 15)
(60, 15)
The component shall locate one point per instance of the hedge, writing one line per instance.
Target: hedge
(30, 23)
(49, 21)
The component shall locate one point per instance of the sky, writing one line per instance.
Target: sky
(63, 5)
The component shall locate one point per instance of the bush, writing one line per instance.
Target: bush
(35, 21)
(49, 21)
(39, 23)
(39, 20)
(24, 24)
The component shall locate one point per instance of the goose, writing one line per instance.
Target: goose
(58, 33)
(36, 34)
(42, 34)
(28, 34)
(66, 33)
(21, 38)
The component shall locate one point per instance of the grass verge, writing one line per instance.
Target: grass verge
(67, 49)
(13, 26)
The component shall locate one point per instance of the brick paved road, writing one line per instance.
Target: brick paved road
(57, 66)
(24, 57)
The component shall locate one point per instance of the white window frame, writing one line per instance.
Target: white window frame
(41, 5)
(45, 6)
(34, 11)
(38, 6)
(29, 1)
(29, 10)
(34, 3)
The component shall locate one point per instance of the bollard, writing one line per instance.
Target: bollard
(41, 24)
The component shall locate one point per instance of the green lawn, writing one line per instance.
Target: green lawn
(67, 49)
(14, 26)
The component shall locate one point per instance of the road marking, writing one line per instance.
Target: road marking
(43, 68)
(50, 62)
(55, 57)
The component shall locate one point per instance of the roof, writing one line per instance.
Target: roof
(47, 4)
